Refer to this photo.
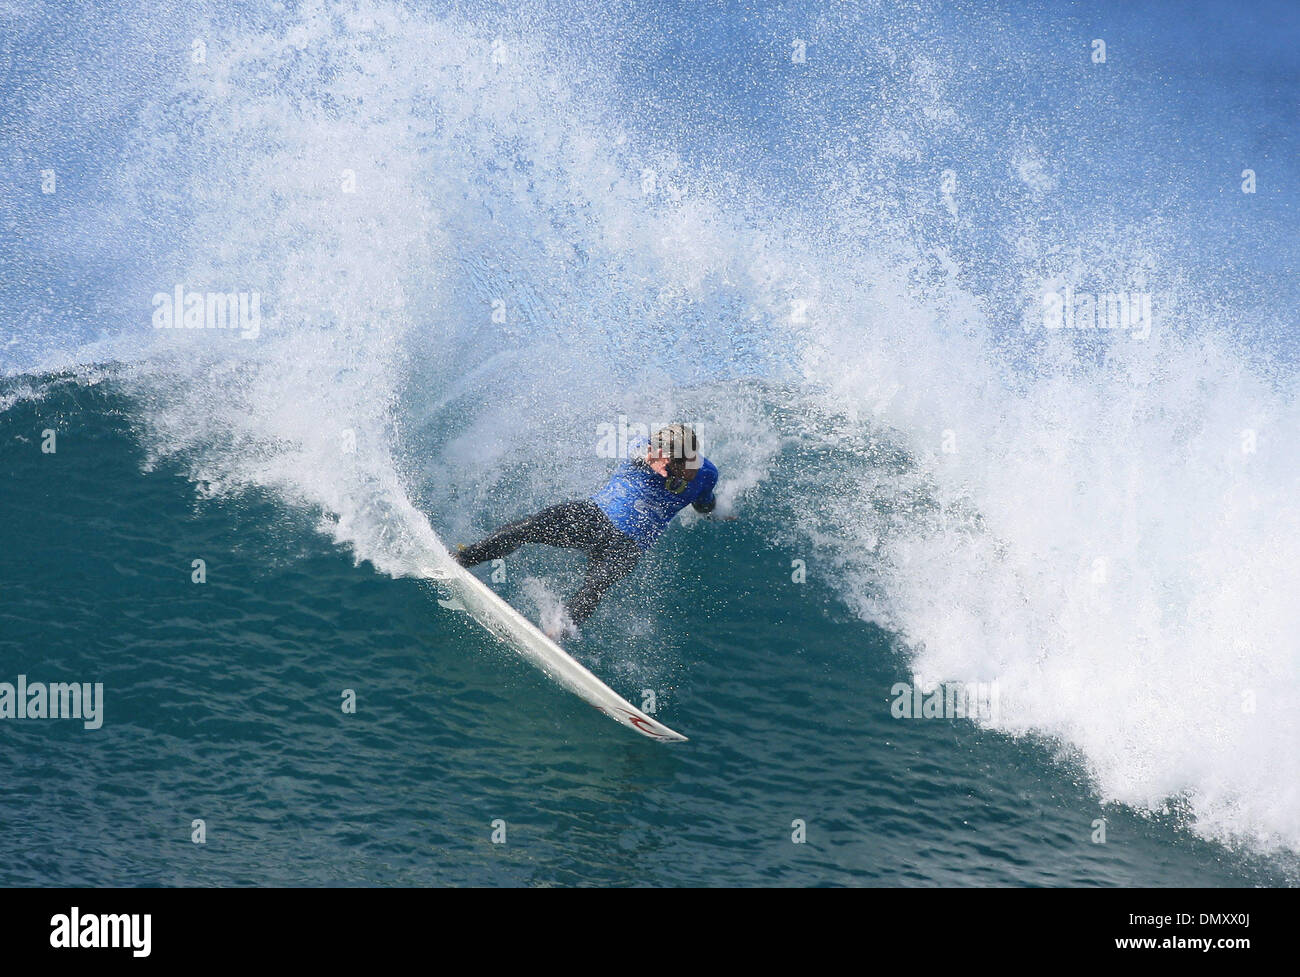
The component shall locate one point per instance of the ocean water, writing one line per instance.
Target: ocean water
(480, 240)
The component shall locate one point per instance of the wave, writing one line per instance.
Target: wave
(473, 250)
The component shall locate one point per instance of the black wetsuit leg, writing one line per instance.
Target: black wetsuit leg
(578, 524)
(605, 568)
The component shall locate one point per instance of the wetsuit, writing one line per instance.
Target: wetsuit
(613, 527)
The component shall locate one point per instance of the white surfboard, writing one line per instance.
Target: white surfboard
(501, 620)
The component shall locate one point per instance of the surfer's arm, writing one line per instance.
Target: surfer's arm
(705, 504)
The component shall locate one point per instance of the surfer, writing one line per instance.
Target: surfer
(618, 524)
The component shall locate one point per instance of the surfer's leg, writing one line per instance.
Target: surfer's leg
(606, 568)
(564, 524)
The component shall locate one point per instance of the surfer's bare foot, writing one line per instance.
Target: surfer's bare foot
(561, 628)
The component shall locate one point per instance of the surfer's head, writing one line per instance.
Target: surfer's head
(677, 448)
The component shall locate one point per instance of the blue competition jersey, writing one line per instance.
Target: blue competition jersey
(638, 502)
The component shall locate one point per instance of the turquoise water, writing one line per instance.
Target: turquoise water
(821, 233)
(223, 703)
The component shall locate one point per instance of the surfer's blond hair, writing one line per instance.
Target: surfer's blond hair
(680, 444)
